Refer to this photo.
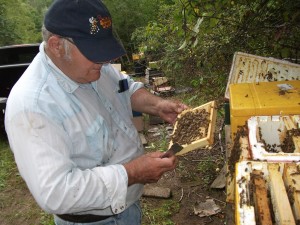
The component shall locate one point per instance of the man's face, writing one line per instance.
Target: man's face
(76, 66)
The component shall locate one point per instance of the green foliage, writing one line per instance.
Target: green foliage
(46, 219)
(21, 21)
(6, 163)
(130, 15)
(197, 39)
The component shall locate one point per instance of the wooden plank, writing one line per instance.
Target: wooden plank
(281, 206)
(289, 124)
(244, 146)
(230, 189)
(262, 209)
(229, 178)
(291, 177)
(296, 141)
(211, 108)
(243, 155)
(143, 139)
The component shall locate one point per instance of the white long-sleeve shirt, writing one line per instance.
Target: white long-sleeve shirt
(70, 140)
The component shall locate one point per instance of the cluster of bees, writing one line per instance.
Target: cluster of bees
(192, 125)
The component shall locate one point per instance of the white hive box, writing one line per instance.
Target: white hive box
(270, 138)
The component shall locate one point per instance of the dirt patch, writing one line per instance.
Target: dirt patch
(190, 184)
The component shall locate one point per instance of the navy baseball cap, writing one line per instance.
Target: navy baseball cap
(89, 24)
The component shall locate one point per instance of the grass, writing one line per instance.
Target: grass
(207, 168)
(154, 215)
(6, 164)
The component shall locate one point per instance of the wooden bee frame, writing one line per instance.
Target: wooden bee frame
(210, 107)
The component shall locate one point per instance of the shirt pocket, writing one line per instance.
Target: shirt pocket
(97, 140)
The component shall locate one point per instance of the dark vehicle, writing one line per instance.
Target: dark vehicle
(14, 60)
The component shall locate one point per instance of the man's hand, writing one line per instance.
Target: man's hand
(149, 168)
(168, 110)
(145, 102)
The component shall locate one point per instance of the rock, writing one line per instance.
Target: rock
(156, 192)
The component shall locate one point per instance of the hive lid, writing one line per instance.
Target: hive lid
(247, 68)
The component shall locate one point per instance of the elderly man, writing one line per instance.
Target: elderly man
(69, 122)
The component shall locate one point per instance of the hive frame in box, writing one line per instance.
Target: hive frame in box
(209, 139)
(272, 128)
(247, 68)
(278, 179)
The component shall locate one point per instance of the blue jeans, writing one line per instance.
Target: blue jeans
(131, 216)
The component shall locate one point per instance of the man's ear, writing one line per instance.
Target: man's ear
(55, 46)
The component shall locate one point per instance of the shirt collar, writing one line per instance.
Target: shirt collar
(63, 80)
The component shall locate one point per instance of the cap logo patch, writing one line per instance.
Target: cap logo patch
(96, 23)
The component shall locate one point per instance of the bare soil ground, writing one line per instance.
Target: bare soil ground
(190, 185)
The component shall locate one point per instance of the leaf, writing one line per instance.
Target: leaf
(195, 42)
(196, 27)
(183, 45)
(213, 22)
(285, 52)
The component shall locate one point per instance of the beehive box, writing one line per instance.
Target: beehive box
(262, 99)
(194, 128)
(247, 68)
(274, 138)
(267, 193)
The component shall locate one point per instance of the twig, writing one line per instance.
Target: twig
(214, 145)
(220, 137)
(218, 200)
(202, 160)
(198, 194)
(181, 195)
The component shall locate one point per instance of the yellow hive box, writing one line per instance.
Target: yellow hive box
(262, 99)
